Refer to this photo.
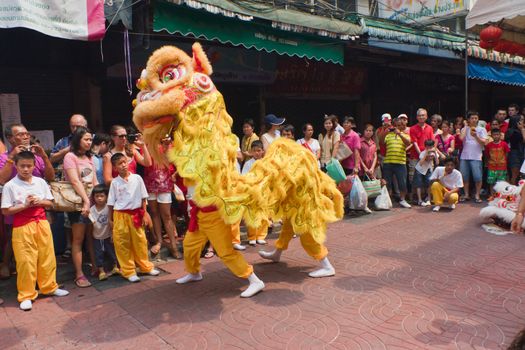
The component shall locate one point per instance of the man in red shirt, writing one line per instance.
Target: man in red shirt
(501, 116)
(419, 133)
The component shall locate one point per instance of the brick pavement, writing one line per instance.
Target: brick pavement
(407, 279)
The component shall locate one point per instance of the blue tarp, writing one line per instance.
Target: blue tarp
(495, 73)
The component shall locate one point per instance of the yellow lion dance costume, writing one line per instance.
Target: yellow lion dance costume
(177, 97)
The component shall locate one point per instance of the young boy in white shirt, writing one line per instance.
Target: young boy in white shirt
(127, 216)
(428, 158)
(26, 197)
(102, 240)
(256, 236)
(447, 182)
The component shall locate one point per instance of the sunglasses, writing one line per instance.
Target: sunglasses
(121, 136)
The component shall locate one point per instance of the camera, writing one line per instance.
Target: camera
(132, 138)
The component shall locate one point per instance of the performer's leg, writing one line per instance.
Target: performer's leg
(219, 234)
(319, 252)
(236, 236)
(285, 237)
(193, 243)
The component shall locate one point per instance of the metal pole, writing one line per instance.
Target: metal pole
(466, 71)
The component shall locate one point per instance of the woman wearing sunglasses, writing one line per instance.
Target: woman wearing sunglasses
(119, 144)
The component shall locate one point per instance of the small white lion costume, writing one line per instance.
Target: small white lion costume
(502, 209)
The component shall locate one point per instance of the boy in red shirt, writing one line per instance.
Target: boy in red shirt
(496, 153)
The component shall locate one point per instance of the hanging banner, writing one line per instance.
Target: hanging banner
(77, 20)
(414, 11)
(9, 109)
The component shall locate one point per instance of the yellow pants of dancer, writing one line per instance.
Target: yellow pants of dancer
(311, 247)
(438, 191)
(259, 233)
(35, 259)
(131, 246)
(213, 228)
(253, 234)
(236, 233)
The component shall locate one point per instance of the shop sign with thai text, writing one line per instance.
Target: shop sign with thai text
(413, 11)
(68, 19)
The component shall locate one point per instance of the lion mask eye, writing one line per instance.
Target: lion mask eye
(172, 72)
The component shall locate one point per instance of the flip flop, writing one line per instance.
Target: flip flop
(464, 199)
(479, 200)
(82, 282)
(157, 250)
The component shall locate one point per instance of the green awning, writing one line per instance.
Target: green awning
(200, 24)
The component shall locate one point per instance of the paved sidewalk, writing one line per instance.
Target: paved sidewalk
(406, 279)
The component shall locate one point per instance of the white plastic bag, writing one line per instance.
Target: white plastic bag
(383, 201)
(358, 196)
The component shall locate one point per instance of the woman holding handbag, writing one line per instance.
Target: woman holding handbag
(80, 171)
(329, 140)
(352, 163)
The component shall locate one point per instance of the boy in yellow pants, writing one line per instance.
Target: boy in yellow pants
(127, 215)
(446, 183)
(316, 250)
(26, 197)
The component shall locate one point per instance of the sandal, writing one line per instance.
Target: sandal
(66, 254)
(209, 254)
(82, 282)
(479, 200)
(155, 249)
(464, 199)
(174, 252)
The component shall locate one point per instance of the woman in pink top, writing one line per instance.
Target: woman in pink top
(79, 169)
(368, 152)
(119, 144)
(159, 183)
(351, 164)
(445, 141)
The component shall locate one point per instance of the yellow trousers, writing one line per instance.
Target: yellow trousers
(311, 247)
(35, 259)
(236, 233)
(213, 228)
(131, 246)
(438, 191)
(259, 233)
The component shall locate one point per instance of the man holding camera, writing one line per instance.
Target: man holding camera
(19, 140)
(62, 146)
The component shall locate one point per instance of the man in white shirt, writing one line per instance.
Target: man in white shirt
(474, 139)
(447, 181)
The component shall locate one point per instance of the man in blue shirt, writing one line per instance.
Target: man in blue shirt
(62, 146)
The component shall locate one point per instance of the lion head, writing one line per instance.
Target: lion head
(163, 93)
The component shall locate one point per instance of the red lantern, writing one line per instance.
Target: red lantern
(521, 51)
(513, 48)
(503, 46)
(484, 45)
(491, 35)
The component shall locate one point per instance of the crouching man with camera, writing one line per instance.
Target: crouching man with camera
(132, 146)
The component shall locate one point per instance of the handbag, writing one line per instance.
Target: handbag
(66, 198)
(372, 187)
(343, 151)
